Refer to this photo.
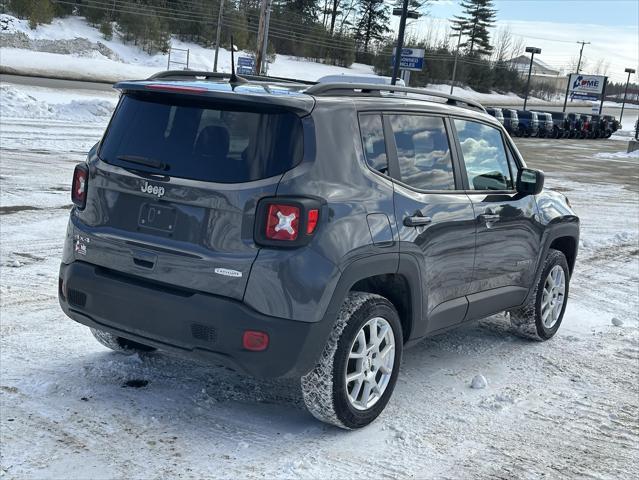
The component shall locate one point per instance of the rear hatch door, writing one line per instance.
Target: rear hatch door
(174, 186)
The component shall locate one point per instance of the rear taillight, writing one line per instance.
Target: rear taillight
(282, 222)
(286, 221)
(80, 185)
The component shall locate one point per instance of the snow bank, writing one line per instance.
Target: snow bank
(492, 98)
(17, 103)
(621, 155)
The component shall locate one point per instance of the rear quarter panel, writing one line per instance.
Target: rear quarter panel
(299, 283)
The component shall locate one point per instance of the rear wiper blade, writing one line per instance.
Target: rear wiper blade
(147, 162)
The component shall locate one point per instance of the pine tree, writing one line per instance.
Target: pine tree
(372, 23)
(477, 18)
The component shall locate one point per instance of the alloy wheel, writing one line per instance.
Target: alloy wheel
(370, 363)
(553, 296)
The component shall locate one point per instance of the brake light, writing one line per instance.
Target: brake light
(286, 221)
(311, 223)
(255, 341)
(176, 88)
(80, 185)
(282, 222)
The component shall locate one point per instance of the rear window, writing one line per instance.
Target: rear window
(202, 142)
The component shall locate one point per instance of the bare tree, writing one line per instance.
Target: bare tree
(517, 48)
(503, 45)
(601, 66)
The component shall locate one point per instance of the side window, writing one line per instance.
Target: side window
(484, 156)
(372, 131)
(423, 152)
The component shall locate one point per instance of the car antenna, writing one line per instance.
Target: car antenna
(235, 79)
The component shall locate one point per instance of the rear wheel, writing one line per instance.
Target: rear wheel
(356, 374)
(541, 317)
(120, 344)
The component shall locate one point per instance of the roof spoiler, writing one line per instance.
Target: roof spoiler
(355, 89)
(177, 75)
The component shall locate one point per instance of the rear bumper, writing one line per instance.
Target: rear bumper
(188, 323)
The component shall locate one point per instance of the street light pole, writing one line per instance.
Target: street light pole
(400, 42)
(629, 71)
(217, 35)
(452, 81)
(580, 53)
(532, 51)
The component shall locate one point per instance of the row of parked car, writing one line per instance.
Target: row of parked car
(528, 123)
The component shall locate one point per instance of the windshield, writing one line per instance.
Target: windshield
(201, 142)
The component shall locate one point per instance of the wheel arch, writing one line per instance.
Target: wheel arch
(398, 280)
(567, 245)
(561, 234)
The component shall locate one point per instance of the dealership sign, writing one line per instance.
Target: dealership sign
(411, 59)
(245, 66)
(586, 85)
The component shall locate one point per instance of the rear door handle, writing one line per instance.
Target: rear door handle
(417, 221)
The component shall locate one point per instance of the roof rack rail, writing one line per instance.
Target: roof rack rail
(373, 89)
(184, 74)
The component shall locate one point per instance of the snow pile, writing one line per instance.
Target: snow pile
(75, 46)
(619, 155)
(17, 103)
(10, 24)
(492, 98)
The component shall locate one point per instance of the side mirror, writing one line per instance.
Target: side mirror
(529, 181)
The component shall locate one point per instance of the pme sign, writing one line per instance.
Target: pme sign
(410, 59)
(245, 65)
(586, 85)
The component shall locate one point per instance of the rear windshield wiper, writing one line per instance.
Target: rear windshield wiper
(147, 162)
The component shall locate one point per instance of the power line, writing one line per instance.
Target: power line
(226, 22)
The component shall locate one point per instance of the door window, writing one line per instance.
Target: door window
(484, 156)
(423, 152)
(372, 131)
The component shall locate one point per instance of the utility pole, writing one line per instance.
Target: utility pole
(264, 68)
(400, 42)
(532, 51)
(581, 51)
(217, 35)
(259, 54)
(452, 81)
(629, 71)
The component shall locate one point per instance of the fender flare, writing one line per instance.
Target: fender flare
(379, 264)
(554, 231)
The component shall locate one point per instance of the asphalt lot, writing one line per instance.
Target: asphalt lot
(593, 161)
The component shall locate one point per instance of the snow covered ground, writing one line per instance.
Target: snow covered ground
(567, 408)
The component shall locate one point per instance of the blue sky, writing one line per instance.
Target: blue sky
(602, 12)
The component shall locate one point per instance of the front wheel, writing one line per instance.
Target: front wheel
(541, 317)
(356, 374)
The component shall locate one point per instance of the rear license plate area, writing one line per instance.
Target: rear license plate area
(157, 217)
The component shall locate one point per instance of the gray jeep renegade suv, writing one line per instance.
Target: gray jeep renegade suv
(309, 231)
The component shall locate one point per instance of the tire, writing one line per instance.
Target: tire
(119, 344)
(528, 320)
(325, 389)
